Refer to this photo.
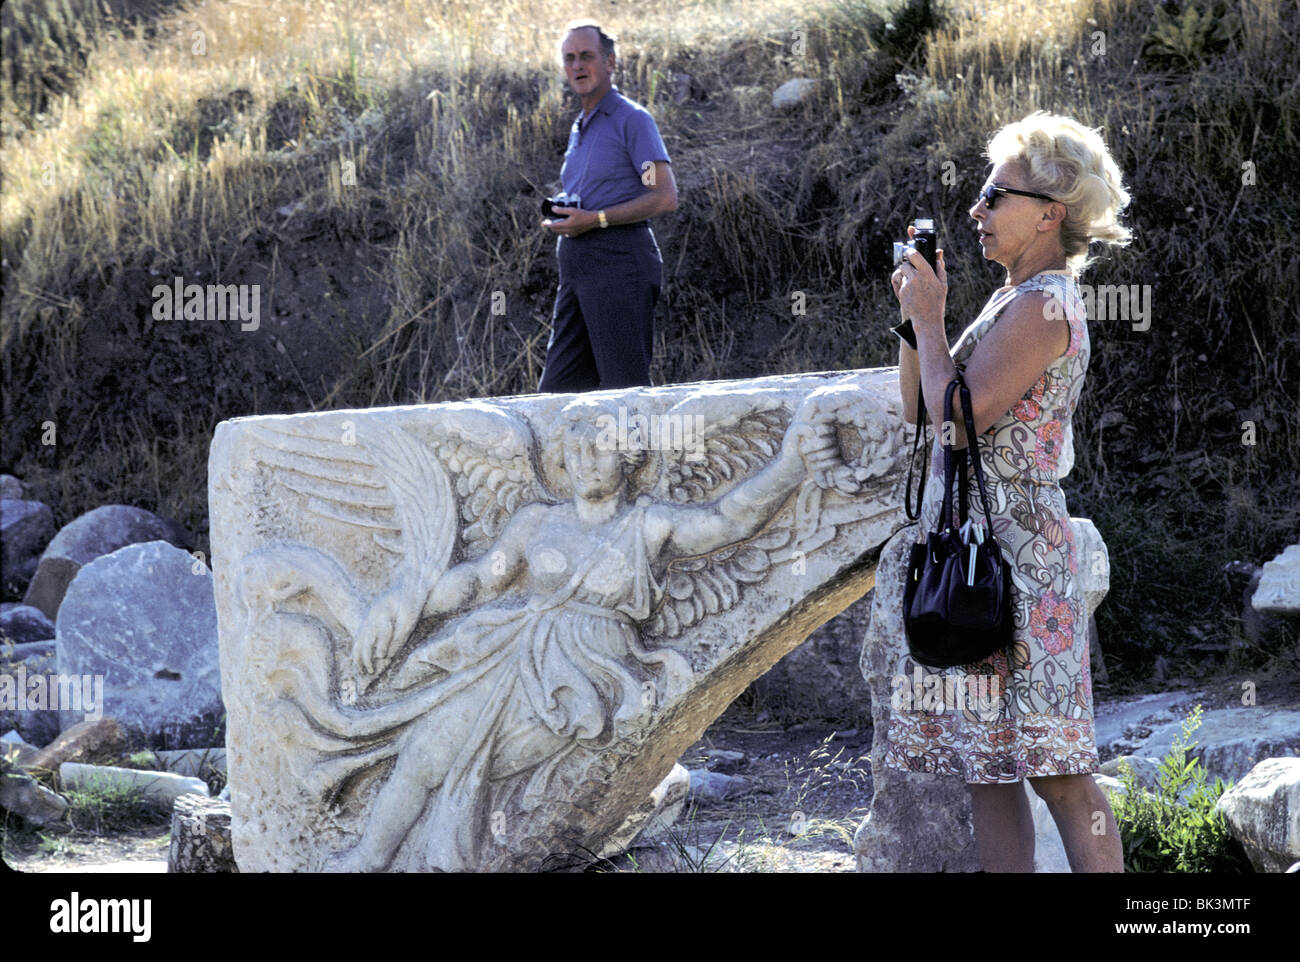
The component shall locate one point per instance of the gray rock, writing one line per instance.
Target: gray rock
(35, 654)
(23, 624)
(1228, 742)
(200, 837)
(794, 92)
(143, 618)
(726, 762)
(160, 785)
(1122, 724)
(1146, 770)
(11, 489)
(16, 751)
(1263, 813)
(20, 664)
(710, 786)
(37, 727)
(25, 528)
(23, 795)
(1109, 784)
(93, 535)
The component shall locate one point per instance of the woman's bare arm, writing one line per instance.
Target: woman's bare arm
(1005, 364)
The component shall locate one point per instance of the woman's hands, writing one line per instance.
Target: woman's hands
(921, 292)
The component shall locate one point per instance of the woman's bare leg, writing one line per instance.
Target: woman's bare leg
(1004, 827)
(1084, 819)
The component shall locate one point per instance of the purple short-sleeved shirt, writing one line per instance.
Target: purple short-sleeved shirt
(608, 154)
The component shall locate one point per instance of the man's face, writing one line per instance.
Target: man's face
(587, 70)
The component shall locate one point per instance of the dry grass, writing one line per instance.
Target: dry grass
(375, 168)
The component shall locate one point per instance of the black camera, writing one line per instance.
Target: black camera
(559, 200)
(924, 240)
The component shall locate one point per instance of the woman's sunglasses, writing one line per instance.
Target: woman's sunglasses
(990, 193)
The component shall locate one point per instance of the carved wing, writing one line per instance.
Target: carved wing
(717, 450)
(378, 487)
(490, 455)
(708, 584)
(722, 450)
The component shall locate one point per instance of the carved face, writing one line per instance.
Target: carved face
(596, 469)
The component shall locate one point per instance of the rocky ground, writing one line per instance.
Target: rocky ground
(137, 850)
(803, 793)
(810, 776)
(793, 799)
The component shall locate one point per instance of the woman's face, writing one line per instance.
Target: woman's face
(595, 468)
(1009, 229)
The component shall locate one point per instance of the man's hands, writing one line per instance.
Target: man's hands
(574, 222)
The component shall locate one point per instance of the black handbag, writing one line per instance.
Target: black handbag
(957, 602)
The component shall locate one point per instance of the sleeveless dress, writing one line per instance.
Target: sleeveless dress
(1026, 712)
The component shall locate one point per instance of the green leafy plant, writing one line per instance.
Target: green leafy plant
(1189, 37)
(905, 29)
(1175, 828)
(101, 806)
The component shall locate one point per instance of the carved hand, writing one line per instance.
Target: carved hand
(825, 409)
(387, 625)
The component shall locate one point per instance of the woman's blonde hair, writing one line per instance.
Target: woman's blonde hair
(1070, 162)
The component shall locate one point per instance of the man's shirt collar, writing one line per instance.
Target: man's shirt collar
(606, 105)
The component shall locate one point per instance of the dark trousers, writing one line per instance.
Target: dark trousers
(602, 329)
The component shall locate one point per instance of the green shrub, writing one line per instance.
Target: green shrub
(1160, 833)
(99, 806)
(1190, 37)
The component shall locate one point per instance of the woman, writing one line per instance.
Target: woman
(1053, 189)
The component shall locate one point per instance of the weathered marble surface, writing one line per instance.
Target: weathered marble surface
(472, 636)
(1279, 583)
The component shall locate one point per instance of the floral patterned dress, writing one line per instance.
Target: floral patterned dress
(1026, 712)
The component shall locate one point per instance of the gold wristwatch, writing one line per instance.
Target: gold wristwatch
(603, 222)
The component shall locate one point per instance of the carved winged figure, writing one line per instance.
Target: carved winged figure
(461, 688)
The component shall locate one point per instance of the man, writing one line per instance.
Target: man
(616, 175)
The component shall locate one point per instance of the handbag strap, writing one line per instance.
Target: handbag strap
(972, 449)
(949, 462)
(925, 457)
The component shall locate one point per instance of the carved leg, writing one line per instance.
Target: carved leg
(424, 757)
(395, 811)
